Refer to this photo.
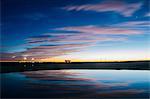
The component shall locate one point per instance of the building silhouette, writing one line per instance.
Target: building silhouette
(67, 61)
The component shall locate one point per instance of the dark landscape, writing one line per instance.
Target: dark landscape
(28, 66)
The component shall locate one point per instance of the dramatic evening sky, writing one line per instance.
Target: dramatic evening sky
(82, 30)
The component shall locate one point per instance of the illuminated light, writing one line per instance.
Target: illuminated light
(25, 58)
(32, 60)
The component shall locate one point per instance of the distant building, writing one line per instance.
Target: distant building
(67, 61)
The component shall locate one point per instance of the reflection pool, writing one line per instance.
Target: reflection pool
(76, 84)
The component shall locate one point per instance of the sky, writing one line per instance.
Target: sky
(80, 30)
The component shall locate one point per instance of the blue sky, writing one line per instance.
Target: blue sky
(75, 29)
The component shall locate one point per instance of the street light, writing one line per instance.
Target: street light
(25, 58)
(32, 59)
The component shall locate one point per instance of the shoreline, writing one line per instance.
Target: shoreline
(7, 67)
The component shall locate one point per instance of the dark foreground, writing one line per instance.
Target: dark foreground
(19, 67)
(117, 80)
(76, 84)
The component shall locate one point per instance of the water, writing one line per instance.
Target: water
(76, 84)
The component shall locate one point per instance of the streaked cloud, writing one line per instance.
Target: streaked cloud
(42, 52)
(66, 40)
(77, 38)
(101, 30)
(125, 9)
(63, 29)
(134, 24)
(147, 14)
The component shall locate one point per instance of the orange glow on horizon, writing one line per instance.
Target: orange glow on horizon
(77, 60)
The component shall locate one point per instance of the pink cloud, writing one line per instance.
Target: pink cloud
(43, 52)
(47, 46)
(134, 24)
(125, 9)
(101, 30)
(79, 38)
(81, 42)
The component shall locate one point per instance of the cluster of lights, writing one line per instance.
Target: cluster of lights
(24, 58)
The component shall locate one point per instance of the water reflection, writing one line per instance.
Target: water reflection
(80, 83)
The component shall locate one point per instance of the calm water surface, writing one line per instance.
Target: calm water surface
(77, 84)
